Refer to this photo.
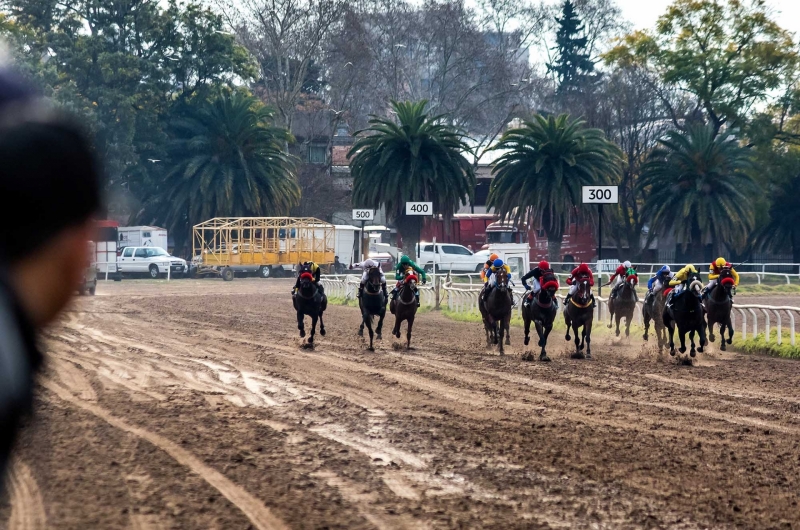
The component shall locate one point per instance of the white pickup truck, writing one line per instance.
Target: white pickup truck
(449, 257)
(153, 261)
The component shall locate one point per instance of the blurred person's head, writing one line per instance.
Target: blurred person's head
(49, 192)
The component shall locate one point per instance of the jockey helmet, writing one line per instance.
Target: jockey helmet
(720, 262)
(691, 268)
(369, 262)
(498, 263)
(627, 264)
(544, 265)
(493, 258)
(405, 260)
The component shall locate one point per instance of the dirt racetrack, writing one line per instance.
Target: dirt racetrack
(192, 405)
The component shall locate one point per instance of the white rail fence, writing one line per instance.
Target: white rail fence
(460, 298)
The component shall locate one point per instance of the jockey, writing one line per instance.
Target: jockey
(681, 277)
(618, 278)
(310, 267)
(658, 281)
(537, 273)
(404, 266)
(714, 271)
(491, 278)
(487, 266)
(580, 272)
(368, 264)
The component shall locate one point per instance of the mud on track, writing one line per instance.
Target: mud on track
(191, 405)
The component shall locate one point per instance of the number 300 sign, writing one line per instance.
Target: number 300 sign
(600, 194)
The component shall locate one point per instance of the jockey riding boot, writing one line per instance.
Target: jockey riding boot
(416, 293)
(567, 299)
(394, 293)
(385, 292)
(360, 290)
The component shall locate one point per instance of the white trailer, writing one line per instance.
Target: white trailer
(346, 246)
(143, 236)
(516, 255)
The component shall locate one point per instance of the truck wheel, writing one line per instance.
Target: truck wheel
(81, 292)
(227, 274)
(92, 289)
(569, 263)
(154, 272)
(264, 272)
(479, 268)
(428, 268)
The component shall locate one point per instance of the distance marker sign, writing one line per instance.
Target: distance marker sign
(363, 215)
(600, 194)
(419, 208)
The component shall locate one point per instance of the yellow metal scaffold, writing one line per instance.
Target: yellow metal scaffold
(223, 244)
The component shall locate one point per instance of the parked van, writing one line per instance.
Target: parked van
(142, 236)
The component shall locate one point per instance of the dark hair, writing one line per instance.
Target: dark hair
(49, 179)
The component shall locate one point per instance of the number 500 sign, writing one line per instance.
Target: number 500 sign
(600, 194)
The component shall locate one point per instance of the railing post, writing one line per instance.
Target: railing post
(755, 323)
(766, 316)
(778, 317)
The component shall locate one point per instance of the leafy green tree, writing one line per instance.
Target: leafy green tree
(419, 158)
(545, 164)
(572, 64)
(698, 187)
(782, 231)
(226, 160)
(128, 68)
(728, 54)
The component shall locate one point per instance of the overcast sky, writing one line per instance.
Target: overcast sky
(644, 13)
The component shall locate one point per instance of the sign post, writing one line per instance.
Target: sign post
(600, 195)
(363, 216)
(425, 209)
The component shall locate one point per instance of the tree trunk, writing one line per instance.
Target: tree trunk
(554, 248)
(796, 248)
(410, 227)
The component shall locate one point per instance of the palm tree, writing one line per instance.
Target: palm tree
(227, 161)
(782, 232)
(546, 163)
(696, 186)
(419, 158)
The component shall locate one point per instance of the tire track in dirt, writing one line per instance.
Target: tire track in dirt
(255, 510)
(27, 506)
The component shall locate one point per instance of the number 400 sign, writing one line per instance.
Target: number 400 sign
(419, 208)
(600, 194)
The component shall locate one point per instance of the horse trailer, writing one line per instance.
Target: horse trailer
(267, 246)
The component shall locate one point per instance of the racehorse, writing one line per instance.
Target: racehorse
(541, 311)
(653, 310)
(404, 306)
(308, 300)
(624, 304)
(686, 312)
(372, 303)
(580, 313)
(718, 304)
(496, 311)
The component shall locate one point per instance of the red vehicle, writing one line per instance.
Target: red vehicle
(481, 230)
(466, 229)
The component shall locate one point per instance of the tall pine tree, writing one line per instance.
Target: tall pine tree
(571, 64)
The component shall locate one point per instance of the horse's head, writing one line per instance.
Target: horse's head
(410, 279)
(307, 286)
(694, 283)
(632, 280)
(374, 279)
(502, 279)
(584, 291)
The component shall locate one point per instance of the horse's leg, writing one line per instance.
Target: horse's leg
(301, 324)
(527, 322)
(671, 330)
(610, 306)
(587, 334)
(619, 318)
(397, 322)
(540, 332)
(682, 336)
(711, 336)
(380, 325)
(703, 339)
(410, 322)
(628, 321)
(647, 325)
(543, 341)
(729, 323)
(502, 336)
(321, 324)
(507, 325)
(578, 336)
(314, 319)
(368, 322)
(568, 322)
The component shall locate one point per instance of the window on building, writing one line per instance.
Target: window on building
(317, 154)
